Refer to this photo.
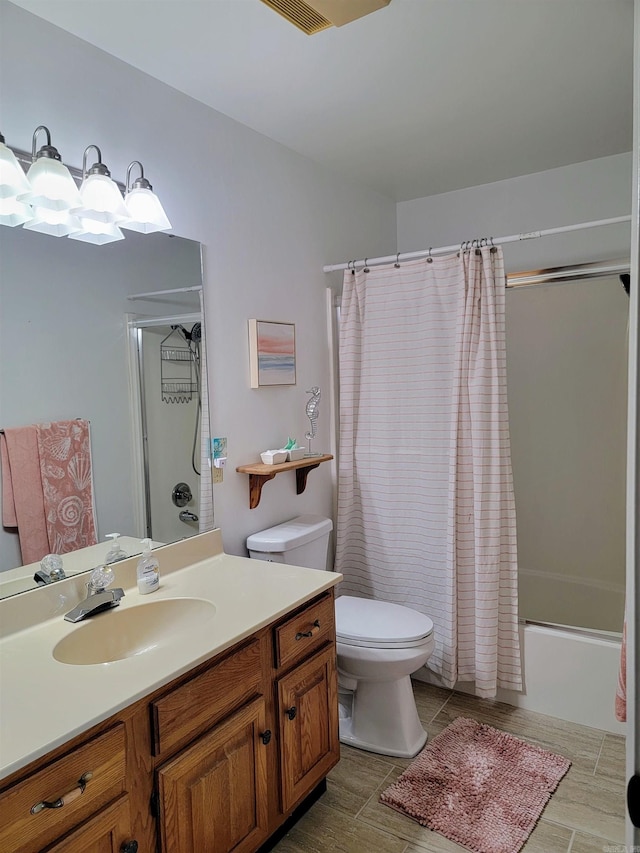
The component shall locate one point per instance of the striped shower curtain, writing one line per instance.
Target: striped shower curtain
(426, 513)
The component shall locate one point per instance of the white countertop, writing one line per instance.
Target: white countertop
(44, 703)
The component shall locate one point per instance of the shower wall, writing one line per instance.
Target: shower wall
(170, 432)
(567, 375)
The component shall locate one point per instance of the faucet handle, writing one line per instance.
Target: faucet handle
(100, 578)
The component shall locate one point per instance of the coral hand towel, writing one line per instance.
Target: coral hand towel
(67, 484)
(22, 495)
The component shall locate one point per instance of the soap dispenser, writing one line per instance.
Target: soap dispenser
(148, 570)
(115, 552)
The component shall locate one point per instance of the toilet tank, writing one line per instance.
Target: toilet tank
(303, 541)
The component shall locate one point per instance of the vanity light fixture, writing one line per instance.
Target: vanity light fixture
(56, 223)
(101, 198)
(14, 212)
(102, 204)
(145, 211)
(12, 179)
(60, 200)
(51, 184)
(98, 233)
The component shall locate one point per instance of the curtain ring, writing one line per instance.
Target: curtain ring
(353, 267)
(397, 263)
(366, 268)
(429, 258)
(493, 248)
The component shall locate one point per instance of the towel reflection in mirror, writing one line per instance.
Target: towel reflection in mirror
(47, 487)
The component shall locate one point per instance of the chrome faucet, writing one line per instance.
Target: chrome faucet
(50, 570)
(187, 515)
(98, 598)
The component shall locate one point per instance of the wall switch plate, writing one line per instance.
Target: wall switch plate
(218, 451)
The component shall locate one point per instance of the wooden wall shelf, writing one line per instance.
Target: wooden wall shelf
(259, 474)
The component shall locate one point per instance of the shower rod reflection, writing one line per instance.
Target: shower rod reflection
(153, 293)
(492, 241)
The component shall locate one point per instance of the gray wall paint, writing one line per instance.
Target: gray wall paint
(268, 220)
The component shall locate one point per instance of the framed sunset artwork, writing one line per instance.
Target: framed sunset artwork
(272, 353)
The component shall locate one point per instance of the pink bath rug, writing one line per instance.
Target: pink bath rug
(480, 787)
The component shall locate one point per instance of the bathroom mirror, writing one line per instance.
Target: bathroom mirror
(70, 336)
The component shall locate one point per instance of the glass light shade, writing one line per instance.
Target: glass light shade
(102, 200)
(13, 181)
(146, 214)
(98, 233)
(51, 186)
(14, 212)
(57, 223)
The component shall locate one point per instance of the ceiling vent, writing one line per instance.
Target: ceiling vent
(313, 16)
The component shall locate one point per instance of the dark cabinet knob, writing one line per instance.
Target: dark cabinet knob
(129, 847)
(266, 737)
(291, 712)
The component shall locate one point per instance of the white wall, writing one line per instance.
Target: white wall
(596, 189)
(268, 219)
(566, 368)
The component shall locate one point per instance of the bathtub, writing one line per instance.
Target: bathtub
(570, 673)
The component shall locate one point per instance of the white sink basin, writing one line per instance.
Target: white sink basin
(118, 634)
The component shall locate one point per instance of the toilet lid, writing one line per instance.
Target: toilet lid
(380, 624)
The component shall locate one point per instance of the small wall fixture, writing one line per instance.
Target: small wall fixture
(50, 182)
(61, 200)
(13, 181)
(145, 211)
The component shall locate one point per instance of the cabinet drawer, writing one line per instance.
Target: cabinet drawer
(103, 758)
(192, 707)
(305, 632)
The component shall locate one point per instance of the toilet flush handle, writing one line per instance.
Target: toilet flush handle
(314, 630)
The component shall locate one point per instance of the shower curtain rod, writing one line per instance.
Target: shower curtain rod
(496, 241)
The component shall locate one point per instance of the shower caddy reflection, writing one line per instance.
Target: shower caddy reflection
(178, 381)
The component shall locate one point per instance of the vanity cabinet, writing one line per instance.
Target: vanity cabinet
(58, 798)
(214, 795)
(108, 832)
(216, 760)
(308, 721)
(306, 699)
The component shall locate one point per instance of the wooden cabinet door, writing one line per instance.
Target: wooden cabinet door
(213, 796)
(308, 724)
(107, 832)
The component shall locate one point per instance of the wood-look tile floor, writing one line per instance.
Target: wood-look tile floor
(585, 814)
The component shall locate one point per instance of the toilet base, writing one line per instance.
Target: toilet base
(383, 719)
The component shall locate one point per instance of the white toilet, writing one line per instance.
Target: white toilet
(379, 646)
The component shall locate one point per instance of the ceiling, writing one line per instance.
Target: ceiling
(421, 97)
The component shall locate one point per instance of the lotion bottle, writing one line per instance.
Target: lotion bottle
(148, 570)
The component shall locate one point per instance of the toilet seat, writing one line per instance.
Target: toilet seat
(379, 624)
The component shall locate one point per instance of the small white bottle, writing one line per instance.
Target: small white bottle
(148, 570)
